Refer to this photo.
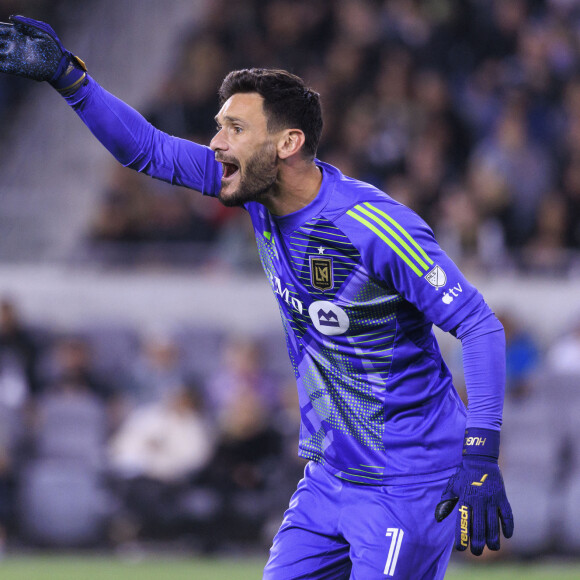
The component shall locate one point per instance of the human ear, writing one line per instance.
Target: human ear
(290, 143)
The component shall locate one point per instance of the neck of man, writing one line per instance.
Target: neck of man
(297, 185)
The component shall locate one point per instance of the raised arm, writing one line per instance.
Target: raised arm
(31, 49)
(135, 143)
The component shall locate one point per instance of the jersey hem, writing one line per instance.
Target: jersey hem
(392, 479)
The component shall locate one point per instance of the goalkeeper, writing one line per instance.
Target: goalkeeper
(399, 471)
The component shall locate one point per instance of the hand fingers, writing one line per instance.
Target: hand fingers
(6, 31)
(35, 28)
(8, 37)
(6, 45)
(507, 519)
(24, 26)
(28, 30)
(492, 528)
(477, 535)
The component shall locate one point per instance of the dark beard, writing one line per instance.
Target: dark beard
(258, 178)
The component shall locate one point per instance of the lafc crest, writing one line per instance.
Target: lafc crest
(321, 274)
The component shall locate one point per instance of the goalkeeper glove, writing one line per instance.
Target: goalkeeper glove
(31, 49)
(478, 487)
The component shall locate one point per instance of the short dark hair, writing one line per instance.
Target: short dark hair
(288, 102)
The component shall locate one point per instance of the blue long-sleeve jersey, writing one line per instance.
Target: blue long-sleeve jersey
(360, 280)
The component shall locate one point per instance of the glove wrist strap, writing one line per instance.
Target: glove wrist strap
(70, 74)
(481, 442)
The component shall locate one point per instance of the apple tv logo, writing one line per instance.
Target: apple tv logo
(449, 296)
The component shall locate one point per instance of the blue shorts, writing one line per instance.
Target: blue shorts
(336, 530)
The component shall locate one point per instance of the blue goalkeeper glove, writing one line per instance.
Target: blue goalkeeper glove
(478, 487)
(31, 49)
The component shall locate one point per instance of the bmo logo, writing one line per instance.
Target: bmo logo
(328, 318)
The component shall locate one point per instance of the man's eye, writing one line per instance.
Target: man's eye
(237, 130)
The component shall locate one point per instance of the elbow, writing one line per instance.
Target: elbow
(480, 322)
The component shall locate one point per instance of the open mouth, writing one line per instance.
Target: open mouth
(230, 169)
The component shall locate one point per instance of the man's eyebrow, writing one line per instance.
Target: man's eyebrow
(229, 119)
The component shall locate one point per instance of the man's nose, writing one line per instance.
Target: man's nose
(218, 143)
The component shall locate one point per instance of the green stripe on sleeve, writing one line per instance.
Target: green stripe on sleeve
(394, 235)
(402, 230)
(387, 241)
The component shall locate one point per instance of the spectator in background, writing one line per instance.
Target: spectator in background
(245, 469)
(571, 192)
(135, 211)
(394, 108)
(293, 31)
(187, 101)
(233, 250)
(153, 456)
(11, 453)
(7, 495)
(166, 440)
(545, 253)
(19, 356)
(523, 357)
(462, 231)
(570, 160)
(563, 356)
(70, 424)
(124, 211)
(439, 117)
(70, 362)
(157, 373)
(524, 168)
(241, 372)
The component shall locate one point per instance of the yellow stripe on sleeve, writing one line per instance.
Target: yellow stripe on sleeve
(387, 240)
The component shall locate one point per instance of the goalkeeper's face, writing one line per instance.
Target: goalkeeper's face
(246, 150)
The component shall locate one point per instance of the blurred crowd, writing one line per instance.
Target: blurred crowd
(110, 437)
(467, 111)
(116, 438)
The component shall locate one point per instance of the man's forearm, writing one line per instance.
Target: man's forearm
(483, 344)
(31, 49)
(135, 143)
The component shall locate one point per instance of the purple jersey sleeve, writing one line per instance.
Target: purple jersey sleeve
(484, 366)
(137, 144)
(400, 249)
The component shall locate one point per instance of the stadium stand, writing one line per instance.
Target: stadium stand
(466, 111)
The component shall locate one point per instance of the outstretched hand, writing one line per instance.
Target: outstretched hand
(31, 49)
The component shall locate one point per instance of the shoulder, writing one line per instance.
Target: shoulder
(347, 191)
(353, 195)
(362, 210)
(388, 235)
